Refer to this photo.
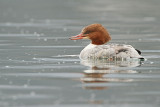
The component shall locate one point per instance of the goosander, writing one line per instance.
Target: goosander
(97, 48)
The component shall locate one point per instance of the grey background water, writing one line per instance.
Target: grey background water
(39, 66)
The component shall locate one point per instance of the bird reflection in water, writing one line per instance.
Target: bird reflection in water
(99, 69)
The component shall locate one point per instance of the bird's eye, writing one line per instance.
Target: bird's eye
(87, 32)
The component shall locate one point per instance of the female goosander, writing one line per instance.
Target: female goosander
(97, 50)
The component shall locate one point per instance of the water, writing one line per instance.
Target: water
(39, 65)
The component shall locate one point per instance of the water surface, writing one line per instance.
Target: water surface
(40, 67)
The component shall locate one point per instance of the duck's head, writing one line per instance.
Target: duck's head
(95, 32)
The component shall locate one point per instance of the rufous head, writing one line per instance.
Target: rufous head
(95, 32)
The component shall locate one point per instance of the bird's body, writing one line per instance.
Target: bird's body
(109, 51)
